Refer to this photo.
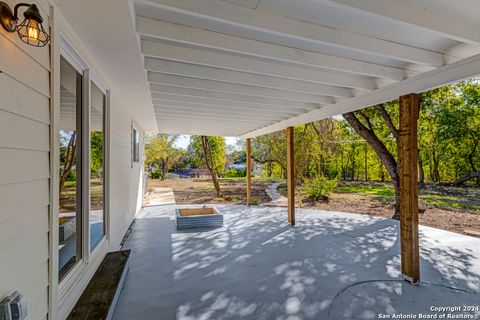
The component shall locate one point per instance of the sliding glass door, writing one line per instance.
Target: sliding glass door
(97, 166)
(81, 167)
(70, 168)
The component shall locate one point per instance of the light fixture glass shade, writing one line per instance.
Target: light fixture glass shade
(32, 32)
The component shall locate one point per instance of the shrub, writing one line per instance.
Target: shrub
(156, 174)
(232, 173)
(72, 176)
(319, 188)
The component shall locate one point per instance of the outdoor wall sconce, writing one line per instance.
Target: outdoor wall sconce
(31, 30)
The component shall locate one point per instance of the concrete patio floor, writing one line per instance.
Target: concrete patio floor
(331, 265)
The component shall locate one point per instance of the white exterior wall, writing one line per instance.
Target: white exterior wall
(28, 158)
(125, 181)
(25, 170)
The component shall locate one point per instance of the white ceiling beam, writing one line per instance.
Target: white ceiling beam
(460, 70)
(160, 88)
(264, 22)
(442, 25)
(233, 104)
(227, 107)
(214, 40)
(234, 62)
(204, 124)
(207, 129)
(196, 117)
(230, 76)
(180, 125)
(221, 111)
(169, 111)
(217, 86)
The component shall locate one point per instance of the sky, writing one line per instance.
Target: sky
(184, 140)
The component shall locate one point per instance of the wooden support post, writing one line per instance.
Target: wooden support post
(249, 172)
(290, 176)
(408, 174)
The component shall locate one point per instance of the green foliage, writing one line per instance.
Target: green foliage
(96, 153)
(232, 173)
(448, 138)
(72, 176)
(217, 145)
(318, 188)
(161, 153)
(156, 174)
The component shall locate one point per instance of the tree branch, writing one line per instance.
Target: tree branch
(385, 156)
(388, 120)
(367, 120)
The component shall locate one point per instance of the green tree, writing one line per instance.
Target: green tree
(96, 153)
(161, 153)
(209, 152)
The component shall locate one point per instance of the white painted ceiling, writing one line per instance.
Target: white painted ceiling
(249, 67)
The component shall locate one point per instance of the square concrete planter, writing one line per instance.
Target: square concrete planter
(198, 218)
(67, 229)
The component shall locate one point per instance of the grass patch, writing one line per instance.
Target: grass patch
(272, 180)
(383, 191)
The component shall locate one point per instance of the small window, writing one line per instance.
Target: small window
(135, 146)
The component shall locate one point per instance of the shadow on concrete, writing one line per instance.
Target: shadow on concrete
(258, 267)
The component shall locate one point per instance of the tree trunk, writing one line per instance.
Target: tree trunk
(164, 170)
(207, 151)
(471, 161)
(435, 171)
(465, 178)
(366, 163)
(70, 155)
(421, 173)
(353, 164)
(381, 150)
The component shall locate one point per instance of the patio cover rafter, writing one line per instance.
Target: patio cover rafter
(234, 62)
(213, 40)
(267, 22)
(225, 108)
(160, 88)
(218, 86)
(296, 62)
(192, 101)
(231, 76)
(444, 25)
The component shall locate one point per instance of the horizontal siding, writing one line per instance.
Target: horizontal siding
(20, 66)
(12, 199)
(25, 168)
(23, 262)
(23, 165)
(40, 56)
(38, 308)
(21, 133)
(18, 98)
(19, 232)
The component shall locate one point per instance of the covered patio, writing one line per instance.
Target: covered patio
(331, 265)
(232, 68)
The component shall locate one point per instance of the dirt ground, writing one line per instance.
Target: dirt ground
(456, 220)
(191, 191)
(460, 220)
